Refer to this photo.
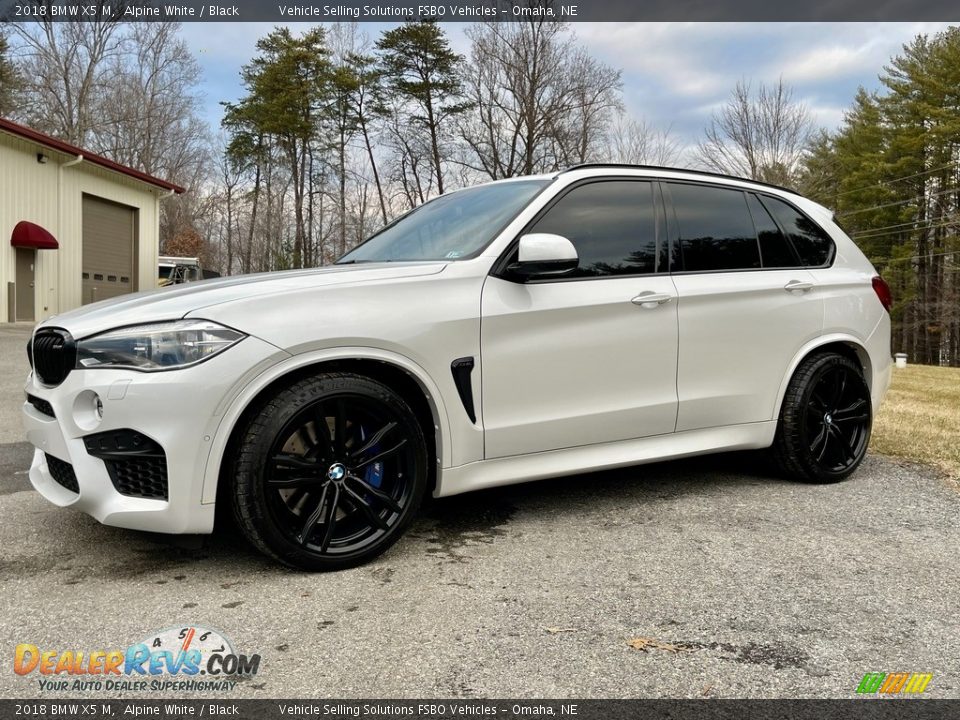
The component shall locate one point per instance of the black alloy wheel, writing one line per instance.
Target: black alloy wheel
(826, 420)
(330, 472)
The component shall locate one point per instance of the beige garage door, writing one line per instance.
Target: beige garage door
(109, 249)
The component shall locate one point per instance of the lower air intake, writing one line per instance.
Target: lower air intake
(136, 464)
(62, 472)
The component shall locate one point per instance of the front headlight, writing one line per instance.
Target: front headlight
(158, 346)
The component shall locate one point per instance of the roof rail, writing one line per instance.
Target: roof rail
(585, 166)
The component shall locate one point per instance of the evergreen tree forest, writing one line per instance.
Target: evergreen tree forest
(891, 173)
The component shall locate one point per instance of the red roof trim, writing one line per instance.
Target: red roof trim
(31, 235)
(60, 146)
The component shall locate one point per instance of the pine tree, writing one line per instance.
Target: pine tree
(892, 174)
(288, 101)
(421, 68)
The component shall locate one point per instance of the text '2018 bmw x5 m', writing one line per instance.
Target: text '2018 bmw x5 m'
(527, 328)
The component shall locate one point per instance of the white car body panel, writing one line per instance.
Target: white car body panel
(606, 456)
(576, 363)
(738, 330)
(248, 390)
(571, 376)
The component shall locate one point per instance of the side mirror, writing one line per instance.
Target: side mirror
(544, 255)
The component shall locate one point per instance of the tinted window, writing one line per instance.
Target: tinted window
(716, 231)
(775, 251)
(612, 225)
(813, 245)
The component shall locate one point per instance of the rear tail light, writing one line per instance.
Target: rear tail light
(882, 290)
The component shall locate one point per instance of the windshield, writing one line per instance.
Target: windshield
(451, 227)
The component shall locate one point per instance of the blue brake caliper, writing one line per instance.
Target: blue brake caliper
(373, 474)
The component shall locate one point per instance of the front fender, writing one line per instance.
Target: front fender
(234, 405)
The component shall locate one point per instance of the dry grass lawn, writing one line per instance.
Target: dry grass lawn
(920, 419)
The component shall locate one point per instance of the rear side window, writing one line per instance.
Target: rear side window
(812, 244)
(716, 230)
(612, 225)
(775, 250)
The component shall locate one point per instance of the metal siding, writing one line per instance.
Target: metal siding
(29, 191)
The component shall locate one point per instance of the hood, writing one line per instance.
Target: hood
(173, 303)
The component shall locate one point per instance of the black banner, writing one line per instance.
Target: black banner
(287, 11)
(855, 709)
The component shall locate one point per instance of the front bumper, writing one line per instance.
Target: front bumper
(180, 410)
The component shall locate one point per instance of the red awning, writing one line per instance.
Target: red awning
(31, 235)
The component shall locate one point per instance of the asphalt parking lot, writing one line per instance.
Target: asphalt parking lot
(731, 583)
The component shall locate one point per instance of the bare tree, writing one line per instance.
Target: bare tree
(411, 159)
(540, 102)
(637, 142)
(368, 107)
(595, 91)
(149, 113)
(228, 178)
(11, 82)
(64, 62)
(761, 136)
(126, 91)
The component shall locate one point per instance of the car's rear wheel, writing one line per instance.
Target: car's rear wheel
(825, 420)
(329, 472)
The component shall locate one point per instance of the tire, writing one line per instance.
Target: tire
(825, 421)
(329, 472)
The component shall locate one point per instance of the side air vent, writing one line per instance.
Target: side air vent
(462, 369)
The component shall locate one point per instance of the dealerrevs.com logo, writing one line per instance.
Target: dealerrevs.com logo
(176, 659)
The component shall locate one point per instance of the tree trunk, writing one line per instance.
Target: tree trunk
(434, 144)
(343, 194)
(373, 167)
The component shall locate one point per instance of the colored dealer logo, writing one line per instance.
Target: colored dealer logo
(894, 683)
(184, 652)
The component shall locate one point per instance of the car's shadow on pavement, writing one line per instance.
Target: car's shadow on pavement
(443, 526)
(74, 542)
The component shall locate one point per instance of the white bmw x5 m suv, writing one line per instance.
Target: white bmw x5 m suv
(522, 329)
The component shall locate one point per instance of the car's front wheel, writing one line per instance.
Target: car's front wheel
(825, 420)
(329, 472)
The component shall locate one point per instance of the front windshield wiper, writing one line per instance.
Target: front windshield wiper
(357, 262)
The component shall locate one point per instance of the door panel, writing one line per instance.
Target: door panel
(26, 284)
(739, 331)
(742, 320)
(577, 362)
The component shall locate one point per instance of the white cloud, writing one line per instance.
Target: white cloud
(828, 62)
(674, 74)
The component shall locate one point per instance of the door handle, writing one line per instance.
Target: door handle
(651, 300)
(800, 285)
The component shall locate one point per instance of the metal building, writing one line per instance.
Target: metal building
(81, 228)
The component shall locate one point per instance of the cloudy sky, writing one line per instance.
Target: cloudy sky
(674, 74)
